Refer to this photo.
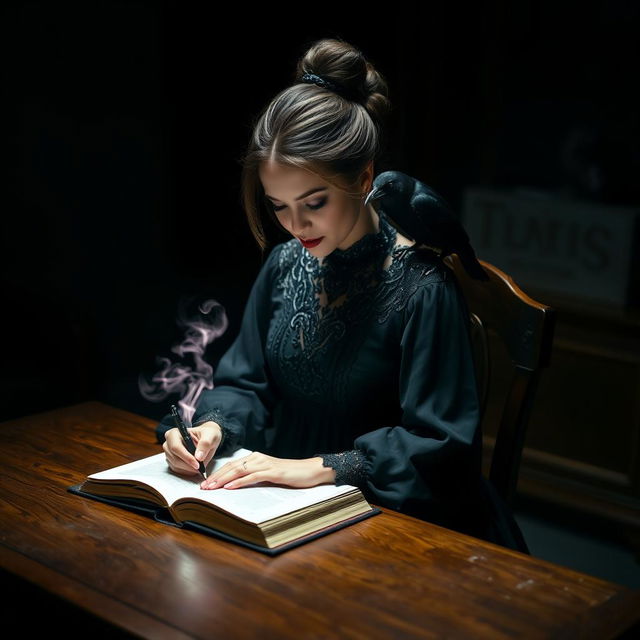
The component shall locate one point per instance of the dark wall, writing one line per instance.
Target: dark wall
(124, 122)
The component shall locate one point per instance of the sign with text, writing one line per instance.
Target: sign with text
(560, 245)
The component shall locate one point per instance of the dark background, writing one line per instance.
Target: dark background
(124, 122)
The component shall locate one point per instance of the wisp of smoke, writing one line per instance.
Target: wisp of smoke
(178, 377)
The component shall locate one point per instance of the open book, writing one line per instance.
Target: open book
(262, 515)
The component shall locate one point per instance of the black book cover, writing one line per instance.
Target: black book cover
(161, 514)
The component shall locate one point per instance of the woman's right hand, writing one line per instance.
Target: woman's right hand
(206, 437)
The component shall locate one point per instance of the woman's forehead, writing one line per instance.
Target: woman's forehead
(284, 180)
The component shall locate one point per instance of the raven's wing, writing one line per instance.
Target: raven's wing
(436, 221)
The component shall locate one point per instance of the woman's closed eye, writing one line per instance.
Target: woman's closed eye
(313, 206)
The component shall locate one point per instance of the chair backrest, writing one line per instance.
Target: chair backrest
(525, 328)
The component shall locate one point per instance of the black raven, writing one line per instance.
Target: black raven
(424, 216)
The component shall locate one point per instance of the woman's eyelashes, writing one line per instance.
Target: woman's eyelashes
(313, 207)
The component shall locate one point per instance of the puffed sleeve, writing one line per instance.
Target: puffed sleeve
(426, 465)
(242, 396)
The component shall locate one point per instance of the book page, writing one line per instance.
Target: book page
(255, 503)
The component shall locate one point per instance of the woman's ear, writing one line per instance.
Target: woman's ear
(366, 178)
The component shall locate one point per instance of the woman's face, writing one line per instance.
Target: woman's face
(308, 207)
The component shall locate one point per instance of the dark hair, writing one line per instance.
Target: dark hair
(317, 129)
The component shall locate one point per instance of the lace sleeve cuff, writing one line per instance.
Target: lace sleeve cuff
(350, 466)
(229, 438)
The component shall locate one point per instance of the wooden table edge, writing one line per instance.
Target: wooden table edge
(615, 617)
(87, 597)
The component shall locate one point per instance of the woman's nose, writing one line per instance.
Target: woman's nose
(298, 223)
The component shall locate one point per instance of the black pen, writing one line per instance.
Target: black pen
(186, 438)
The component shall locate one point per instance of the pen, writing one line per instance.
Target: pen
(186, 438)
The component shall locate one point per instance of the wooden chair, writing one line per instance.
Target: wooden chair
(525, 328)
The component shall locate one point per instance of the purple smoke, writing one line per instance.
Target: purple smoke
(176, 377)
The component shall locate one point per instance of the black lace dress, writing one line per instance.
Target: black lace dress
(362, 358)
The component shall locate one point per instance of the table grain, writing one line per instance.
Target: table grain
(389, 576)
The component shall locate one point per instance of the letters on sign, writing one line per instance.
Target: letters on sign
(582, 249)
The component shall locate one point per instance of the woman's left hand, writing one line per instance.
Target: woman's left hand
(259, 467)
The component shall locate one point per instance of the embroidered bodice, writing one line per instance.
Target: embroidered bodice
(326, 303)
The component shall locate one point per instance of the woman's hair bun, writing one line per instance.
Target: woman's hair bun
(346, 66)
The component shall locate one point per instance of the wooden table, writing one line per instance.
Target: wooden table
(390, 576)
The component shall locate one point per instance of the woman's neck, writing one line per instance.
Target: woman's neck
(368, 222)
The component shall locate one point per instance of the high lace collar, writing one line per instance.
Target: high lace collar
(372, 246)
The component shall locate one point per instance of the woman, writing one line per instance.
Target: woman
(353, 362)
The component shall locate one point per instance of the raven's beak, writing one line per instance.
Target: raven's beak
(374, 194)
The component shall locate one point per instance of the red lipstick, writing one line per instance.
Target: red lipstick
(308, 244)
